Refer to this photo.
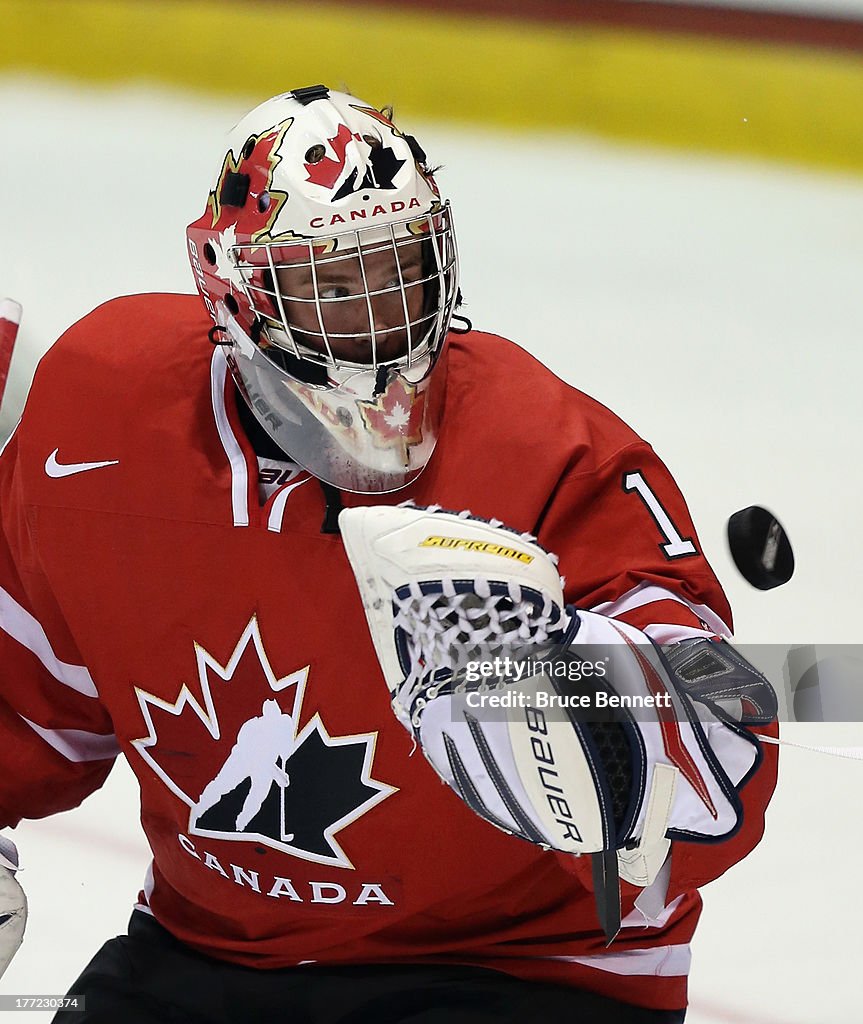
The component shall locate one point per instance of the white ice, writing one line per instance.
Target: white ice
(714, 303)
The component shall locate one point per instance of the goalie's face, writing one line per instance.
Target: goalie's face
(347, 369)
(360, 306)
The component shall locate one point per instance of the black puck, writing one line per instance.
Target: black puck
(760, 548)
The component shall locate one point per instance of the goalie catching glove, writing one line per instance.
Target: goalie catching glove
(664, 758)
(13, 904)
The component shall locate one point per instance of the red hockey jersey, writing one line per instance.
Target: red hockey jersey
(149, 604)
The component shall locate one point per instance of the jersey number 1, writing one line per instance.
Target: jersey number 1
(675, 546)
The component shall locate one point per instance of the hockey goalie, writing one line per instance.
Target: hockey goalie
(391, 766)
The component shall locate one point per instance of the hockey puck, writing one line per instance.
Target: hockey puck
(760, 548)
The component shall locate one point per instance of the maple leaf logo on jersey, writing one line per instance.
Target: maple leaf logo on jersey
(395, 417)
(254, 771)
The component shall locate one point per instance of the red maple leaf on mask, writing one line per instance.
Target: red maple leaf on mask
(327, 171)
(395, 417)
(258, 162)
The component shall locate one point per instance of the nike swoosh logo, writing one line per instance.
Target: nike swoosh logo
(56, 470)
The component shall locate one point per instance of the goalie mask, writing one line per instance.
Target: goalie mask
(328, 263)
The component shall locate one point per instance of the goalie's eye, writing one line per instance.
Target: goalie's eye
(335, 291)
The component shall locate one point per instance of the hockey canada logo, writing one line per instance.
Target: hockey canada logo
(264, 777)
(375, 166)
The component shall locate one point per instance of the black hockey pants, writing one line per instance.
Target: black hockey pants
(148, 977)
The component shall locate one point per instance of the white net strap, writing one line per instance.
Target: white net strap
(852, 753)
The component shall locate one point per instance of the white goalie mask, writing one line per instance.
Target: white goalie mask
(328, 263)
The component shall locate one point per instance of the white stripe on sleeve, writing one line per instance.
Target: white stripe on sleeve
(658, 961)
(648, 593)
(76, 744)
(23, 627)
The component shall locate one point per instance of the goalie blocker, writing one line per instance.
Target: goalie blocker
(665, 759)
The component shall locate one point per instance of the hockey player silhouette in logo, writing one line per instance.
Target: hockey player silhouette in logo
(259, 754)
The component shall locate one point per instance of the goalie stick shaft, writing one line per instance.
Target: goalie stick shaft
(10, 318)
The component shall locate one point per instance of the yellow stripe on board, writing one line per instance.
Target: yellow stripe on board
(788, 103)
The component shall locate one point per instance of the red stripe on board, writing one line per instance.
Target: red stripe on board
(725, 22)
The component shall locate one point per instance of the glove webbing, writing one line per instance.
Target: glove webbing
(449, 623)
